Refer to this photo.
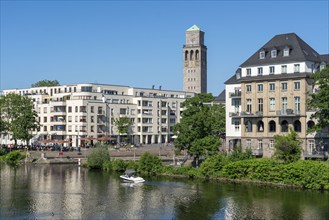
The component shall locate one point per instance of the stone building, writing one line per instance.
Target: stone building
(267, 96)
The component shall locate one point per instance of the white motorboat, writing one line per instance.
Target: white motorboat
(130, 176)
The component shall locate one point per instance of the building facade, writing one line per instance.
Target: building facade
(195, 61)
(267, 96)
(76, 112)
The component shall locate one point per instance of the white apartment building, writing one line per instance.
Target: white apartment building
(267, 95)
(76, 112)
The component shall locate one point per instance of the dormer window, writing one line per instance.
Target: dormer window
(273, 53)
(286, 51)
(322, 65)
(262, 54)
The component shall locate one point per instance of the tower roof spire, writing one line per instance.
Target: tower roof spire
(194, 28)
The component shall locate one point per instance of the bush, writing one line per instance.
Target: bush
(238, 154)
(97, 157)
(212, 165)
(287, 148)
(119, 165)
(14, 157)
(150, 164)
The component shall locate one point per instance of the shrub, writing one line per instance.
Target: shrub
(287, 148)
(97, 157)
(14, 157)
(150, 164)
(119, 165)
(212, 165)
(238, 154)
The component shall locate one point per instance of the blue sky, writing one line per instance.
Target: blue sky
(139, 43)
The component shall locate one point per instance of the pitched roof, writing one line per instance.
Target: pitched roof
(325, 58)
(194, 28)
(299, 51)
(221, 97)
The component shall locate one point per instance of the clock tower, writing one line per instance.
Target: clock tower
(195, 61)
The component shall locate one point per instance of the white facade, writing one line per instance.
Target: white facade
(72, 112)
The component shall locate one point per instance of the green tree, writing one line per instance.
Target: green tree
(19, 118)
(97, 157)
(45, 83)
(123, 125)
(200, 120)
(287, 148)
(320, 100)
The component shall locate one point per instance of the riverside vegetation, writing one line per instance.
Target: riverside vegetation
(238, 166)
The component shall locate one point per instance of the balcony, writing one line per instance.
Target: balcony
(235, 95)
(234, 114)
(287, 113)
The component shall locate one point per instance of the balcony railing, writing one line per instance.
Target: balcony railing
(235, 94)
(234, 114)
(287, 112)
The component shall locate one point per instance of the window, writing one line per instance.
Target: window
(248, 72)
(272, 104)
(273, 53)
(260, 126)
(284, 126)
(45, 110)
(248, 109)
(284, 69)
(297, 104)
(297, 126)
(296, 68)
(237, 125)
(271, 144)
(260, 71)
(286, 51)
(260, 105)
(297, 85)
(284, 86)
(262, 54)
(272, 126)
(44, 119)
(284, 105)
(248, 143)
(44, 128)
(310, 124)
(76, 108)
(260, 144)
(248, 88)
(272, 86)
(272, 69)
(260, 87)
(311, 146)
(248, 125)
(70, 109)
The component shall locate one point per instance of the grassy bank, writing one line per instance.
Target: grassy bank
(240, 167)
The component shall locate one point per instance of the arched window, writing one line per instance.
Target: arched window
(260, 126)
(191, 55)
(197, 55)
(284, 126)
(186, 55)
(272, 126)
(248, 125)
(310, 124)
(297, 126)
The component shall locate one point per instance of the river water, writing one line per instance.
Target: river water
(71, 192)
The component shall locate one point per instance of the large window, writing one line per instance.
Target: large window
(248, 125)
(260, 71)
(248, 88)
(284, 69)
(272, 69)
(297, 104)
(248, 107)
(260, 126)
(297, 85)
(260, 105)
(284, 105)
(297, 126)
(260, 87)
(237, 125)
(284, 126)
(272, 86)
(271, 144)
(272, 126)
(272, 104)
(284, 86)
(296, 68)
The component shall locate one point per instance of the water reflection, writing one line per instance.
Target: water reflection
(71, 192)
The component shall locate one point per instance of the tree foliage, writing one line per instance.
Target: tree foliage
(200, 125)
(97, 157)
(320, 100)
(123, 124)
(287, 148)
(18, 116)
(45, 82)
